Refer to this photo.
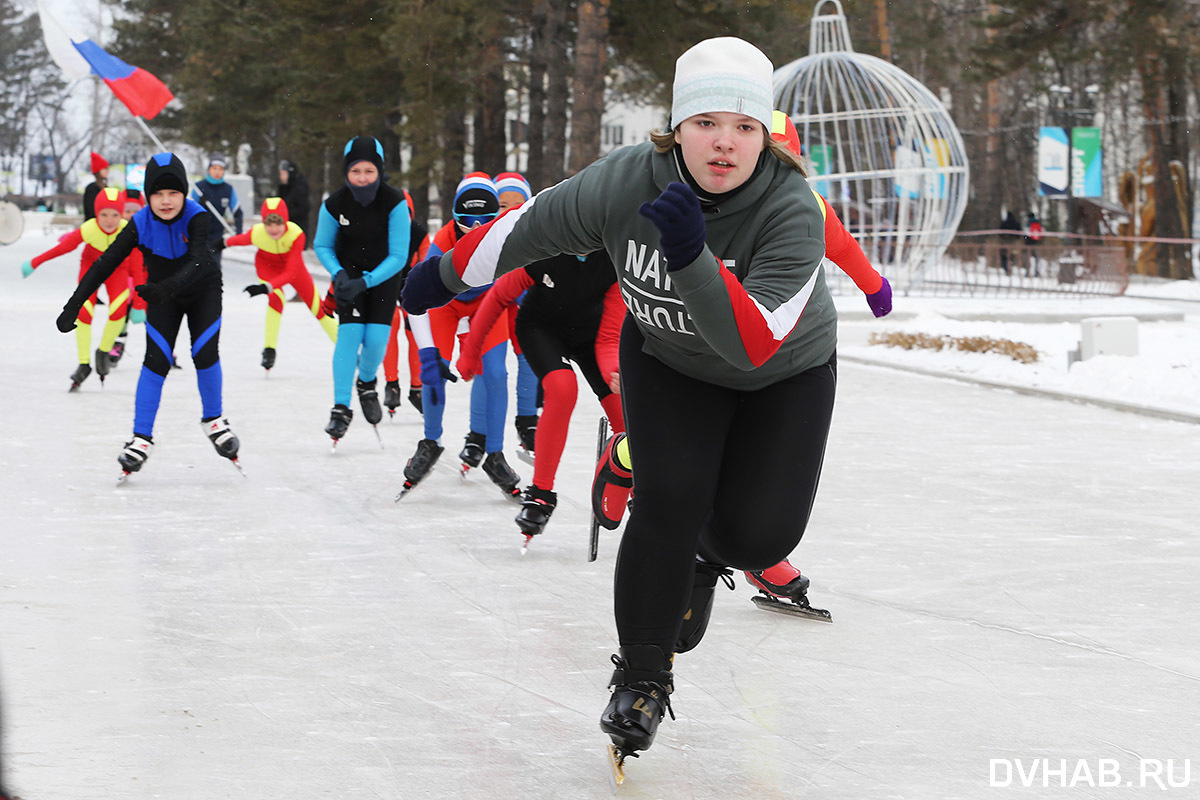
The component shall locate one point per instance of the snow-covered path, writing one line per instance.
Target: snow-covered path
(1010, 578)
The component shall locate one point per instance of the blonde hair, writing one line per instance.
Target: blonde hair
(664, 141)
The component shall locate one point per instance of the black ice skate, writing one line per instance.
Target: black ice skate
(536, 509)
(782, 583)
(134, 454)
(368, 401)
(391, 397)
(414, 398)
(102, 365)
(472, 453)
(695, 619)
(223, 439)
(641, 695)
(339, 422)
(496, 468)
(526, 425)
(268, 358)
(420, 465)
(79, 376)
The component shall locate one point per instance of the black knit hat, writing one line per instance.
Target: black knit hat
(165, 171)
(362, 148)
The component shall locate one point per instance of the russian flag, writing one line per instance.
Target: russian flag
(142, 93)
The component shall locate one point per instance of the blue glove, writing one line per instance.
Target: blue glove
(435, 372)
(26, 269)
(137, 316)
(676, 213)
(881, 301)
(423, 288)
(346, 289)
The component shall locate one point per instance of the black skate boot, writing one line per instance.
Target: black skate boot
(472, 453)
(268, 358)
(391, 397)
(79, 376)
(223, 439)
(695, 619)
(414, 398)
(535, 512)
(420, 465)
(368, 401)
(641, 695)
(102, 364)
(135, 453)
(781, 583)
(526, 425)
(339, 421)
(496, 468)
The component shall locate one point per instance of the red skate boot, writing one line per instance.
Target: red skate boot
(613, 483)
(784, 582)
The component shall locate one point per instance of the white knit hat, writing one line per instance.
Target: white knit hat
(722, 74)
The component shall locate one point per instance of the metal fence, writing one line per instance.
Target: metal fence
(992, 269)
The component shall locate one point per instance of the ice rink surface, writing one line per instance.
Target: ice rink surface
(1012, 580)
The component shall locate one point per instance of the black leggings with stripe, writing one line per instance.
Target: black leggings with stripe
(729, 475)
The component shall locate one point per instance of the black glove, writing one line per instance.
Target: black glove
(255, 289)
(66, 320)
(218, 245)
(155, 293)
(345, 288)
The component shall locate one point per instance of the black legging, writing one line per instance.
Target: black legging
(728, 474)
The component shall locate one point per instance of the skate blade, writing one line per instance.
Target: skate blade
(239, 466)
(792, 609)
(463, 469)
(378, 437)
(616, 767)
(124, 476)
(594, 541)
(525, 456)
(525, 544)
(408, 487)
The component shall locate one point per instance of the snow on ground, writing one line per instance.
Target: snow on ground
(1012, 581)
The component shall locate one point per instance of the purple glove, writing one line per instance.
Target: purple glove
(435, 372)
(881, 301)
(423, 288)
(676, 213)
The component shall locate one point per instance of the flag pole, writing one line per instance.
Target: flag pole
(162, 148)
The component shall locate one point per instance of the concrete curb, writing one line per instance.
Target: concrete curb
(1115, 405)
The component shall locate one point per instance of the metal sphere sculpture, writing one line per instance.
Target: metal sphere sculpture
(880, 147)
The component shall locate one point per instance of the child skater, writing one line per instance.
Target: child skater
(183, 280)
(730, 342)
(362, 240)
(96, 235)
(572, 312)
(279, 262)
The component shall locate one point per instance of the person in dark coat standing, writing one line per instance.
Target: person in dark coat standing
(293, 188)
(100, 173)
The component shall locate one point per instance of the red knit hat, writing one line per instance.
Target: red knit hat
(274, 205)
(109, 198)
(98, 162)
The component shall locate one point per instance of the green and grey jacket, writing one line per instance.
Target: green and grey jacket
(751, 310)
